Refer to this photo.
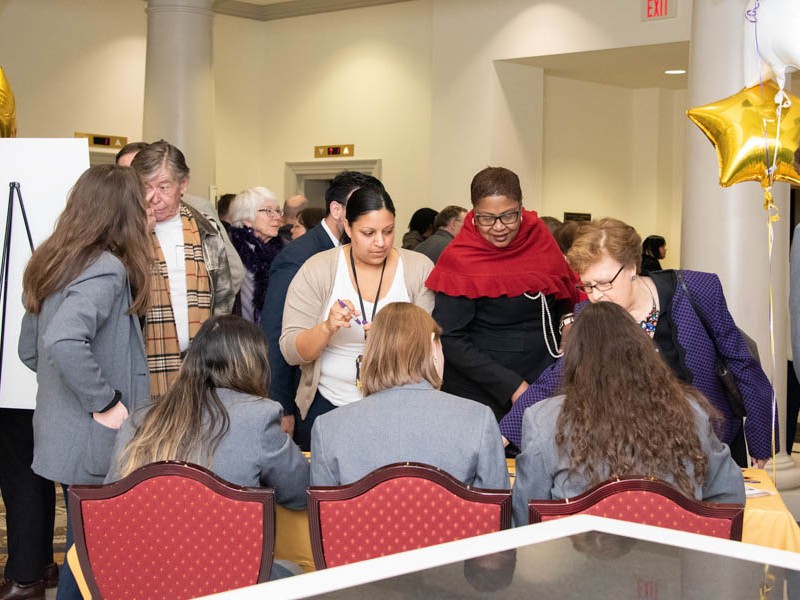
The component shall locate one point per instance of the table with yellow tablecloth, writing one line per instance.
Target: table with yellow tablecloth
(767, 522)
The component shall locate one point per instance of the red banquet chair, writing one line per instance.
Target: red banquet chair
(172, 530)
(648, 501)
(399, 507)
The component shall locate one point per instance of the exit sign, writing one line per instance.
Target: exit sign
(659, 9)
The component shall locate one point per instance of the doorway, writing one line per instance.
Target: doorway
(311, 178)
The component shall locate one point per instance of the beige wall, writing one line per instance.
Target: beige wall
(353, 77)
(426, 86)
(604, 150)
(75, 65)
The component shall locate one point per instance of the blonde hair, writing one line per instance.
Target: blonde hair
(399, 349)
(608, 236)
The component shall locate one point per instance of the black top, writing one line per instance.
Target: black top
(491, 345)
(666, 334)
(650, 264)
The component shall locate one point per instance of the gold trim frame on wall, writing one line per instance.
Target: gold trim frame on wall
(296, 174)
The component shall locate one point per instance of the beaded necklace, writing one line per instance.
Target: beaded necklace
(651, 320)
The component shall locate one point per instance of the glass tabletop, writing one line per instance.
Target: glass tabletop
(592, 564)
(576, 557)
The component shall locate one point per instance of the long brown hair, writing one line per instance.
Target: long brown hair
(399, 350)
(624, 407)
(105, 212)
(189, 422)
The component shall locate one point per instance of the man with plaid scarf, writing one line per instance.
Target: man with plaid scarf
(191, 277)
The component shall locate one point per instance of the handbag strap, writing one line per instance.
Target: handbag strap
(699, 314)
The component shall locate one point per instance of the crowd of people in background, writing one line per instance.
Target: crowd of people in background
(161, 329)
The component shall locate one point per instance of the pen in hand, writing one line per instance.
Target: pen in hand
(343, 305)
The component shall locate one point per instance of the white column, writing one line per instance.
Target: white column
(724, 229)
(179, 84)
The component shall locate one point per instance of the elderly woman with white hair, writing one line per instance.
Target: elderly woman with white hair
(255, 220)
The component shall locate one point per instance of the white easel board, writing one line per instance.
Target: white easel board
(46, 170)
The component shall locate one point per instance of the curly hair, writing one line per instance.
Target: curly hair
(495, 181)
(608, 236)
(624, 408)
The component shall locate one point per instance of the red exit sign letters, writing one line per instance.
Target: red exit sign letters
(658, 9)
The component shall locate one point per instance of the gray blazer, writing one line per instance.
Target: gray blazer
(543, 471)
(254, 452)
(414, 423)
(83, 347)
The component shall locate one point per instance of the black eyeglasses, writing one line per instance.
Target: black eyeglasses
(600, 287)
(508, 218)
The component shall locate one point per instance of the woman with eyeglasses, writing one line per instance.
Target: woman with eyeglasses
(607, 257)
(621, 412)
(502, 288)
(255, 220)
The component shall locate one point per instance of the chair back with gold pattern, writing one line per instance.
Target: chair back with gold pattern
(172, 530)
(399, 507)
(648, 501)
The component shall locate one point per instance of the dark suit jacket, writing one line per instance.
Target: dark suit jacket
(284, 377)
(435, 245)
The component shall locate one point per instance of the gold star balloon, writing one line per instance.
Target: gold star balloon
(8, 108)
(746, 132)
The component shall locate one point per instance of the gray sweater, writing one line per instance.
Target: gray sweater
(254, 452)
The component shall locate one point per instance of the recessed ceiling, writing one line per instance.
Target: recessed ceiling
(635, 67)
(268, 10)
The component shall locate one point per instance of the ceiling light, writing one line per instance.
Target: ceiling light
(675, 72)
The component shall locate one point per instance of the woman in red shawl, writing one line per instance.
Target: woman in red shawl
(502, 289)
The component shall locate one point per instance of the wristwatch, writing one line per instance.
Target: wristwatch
(567, 319)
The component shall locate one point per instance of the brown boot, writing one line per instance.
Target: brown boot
(11, 590)
(51, 575)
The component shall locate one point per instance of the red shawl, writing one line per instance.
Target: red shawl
(471, 266)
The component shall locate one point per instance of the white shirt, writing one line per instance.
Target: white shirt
(170, 238)
(336, 241)
(337, 379)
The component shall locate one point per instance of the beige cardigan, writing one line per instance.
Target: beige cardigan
(307, 301)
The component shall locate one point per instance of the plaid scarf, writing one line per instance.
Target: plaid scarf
(163, 351)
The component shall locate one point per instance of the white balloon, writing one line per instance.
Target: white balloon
(772, 43)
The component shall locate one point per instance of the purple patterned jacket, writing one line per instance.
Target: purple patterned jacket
(700, 358)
